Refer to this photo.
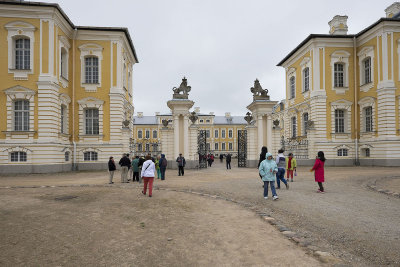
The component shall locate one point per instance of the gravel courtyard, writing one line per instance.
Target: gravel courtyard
(97, 224)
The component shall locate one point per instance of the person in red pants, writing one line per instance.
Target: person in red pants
(148, 170)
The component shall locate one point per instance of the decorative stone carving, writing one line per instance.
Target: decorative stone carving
(258, 92)
(248, 118)
(193, 117)
(182, 92)
(310, 125)
(276, 123)
(165, 123)
(125, 123)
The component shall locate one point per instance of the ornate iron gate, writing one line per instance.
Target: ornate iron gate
(202, 148)
(299, 147)
(242, 148)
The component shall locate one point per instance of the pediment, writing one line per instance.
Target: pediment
(19, 89)
(19, 25)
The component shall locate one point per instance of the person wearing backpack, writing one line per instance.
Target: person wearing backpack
(163, 166)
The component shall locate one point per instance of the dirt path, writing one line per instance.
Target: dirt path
(112, 226)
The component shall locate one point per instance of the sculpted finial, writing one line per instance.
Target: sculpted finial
(182, 92)
(258, 92)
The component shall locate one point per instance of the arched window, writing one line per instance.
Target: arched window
(22, 54)
(64, 63)
(91, 69)
(21, 115)
(338, 75)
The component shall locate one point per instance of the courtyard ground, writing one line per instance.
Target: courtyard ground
(96, 224)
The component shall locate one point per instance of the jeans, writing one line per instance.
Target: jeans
(158, 173)
(162, 173)
(272, 183)
(228, 164)
(135, 177)
(280, 175)
(181, 171)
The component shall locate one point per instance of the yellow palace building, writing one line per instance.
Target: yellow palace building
(343, 93)
(65, 93)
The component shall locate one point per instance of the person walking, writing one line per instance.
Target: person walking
(135, 169)
(181, 164)
(140, 164)
(111, 169)
(268, 168)
(318, 169)
(148, 170)
(157, 162)
(209, 160)
(124, 162)
(221, 158)
(163, 166)
(130, 172)
(228, 161)
(280, 175)
(291, 165)
(264, 151)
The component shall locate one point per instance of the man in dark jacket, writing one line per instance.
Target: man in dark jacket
(125, 163)
(163, 163)
(111, 169)
(181, 164)
(228, 161)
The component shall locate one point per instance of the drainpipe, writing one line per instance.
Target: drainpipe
(357, 161)
(74, 167)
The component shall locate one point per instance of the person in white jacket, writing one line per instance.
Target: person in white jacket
(148, 170)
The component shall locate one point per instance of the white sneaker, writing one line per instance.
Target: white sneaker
(266, 197)
(275, 198)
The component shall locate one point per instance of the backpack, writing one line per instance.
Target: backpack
(164, 162)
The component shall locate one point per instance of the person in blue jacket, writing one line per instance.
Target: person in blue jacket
(268, 169)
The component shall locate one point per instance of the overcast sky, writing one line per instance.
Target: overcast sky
(221, 46)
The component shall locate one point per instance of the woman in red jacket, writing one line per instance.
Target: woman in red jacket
(319, 170)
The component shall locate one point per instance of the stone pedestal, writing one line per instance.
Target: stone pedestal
(192, 160)
(167, 141)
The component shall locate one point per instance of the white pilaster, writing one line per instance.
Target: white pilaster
(259, 132)
(176, 135)
(185, 136)
(269, 131)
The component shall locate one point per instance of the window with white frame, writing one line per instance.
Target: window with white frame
(66, 156)
(207, 121)
(366, 152)
(154, 134)
(230, 133)
(21, 115)
(207, 133)
(294, 127)
(342, 152)
(92, 121)
(230, 146)
(18, 156)
(147, 147)
(63, 115)
(223, 134)
(64, 63)
(147, 134)
(306, 79)
(140, 147)
(339, 121)
(305, 121)
(338, 75)
(223, 146)
(208, 146)
(216, 146)
(201, 121)
(367, 70)
(91, 70)
(140, 134)
(216, 133)
(22, 54)
(90, 156)
(368, 119)
(292, 86)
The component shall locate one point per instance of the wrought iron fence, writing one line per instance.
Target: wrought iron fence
(242, 148)
(202, 148)
(297, 146)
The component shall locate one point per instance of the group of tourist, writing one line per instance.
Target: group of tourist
(271, 170)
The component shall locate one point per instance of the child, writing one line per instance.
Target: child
(267, 170)
(291, 165)
(319, 171)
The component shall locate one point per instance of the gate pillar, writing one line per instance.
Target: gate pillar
(260, 130)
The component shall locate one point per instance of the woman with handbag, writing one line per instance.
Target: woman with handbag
(148, 171)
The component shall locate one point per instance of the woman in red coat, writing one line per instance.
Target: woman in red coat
(319, 170)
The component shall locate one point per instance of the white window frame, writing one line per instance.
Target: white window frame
(340, 57)
(93, 156)
(293, 126)
(140, 136)
(292, 87)
(342, 151)
(87, 103)
(223, 146)
(65, 100)
(230, 146)
(208, 134)
(216, 146)
(63, 64)
(16, 30)
(340, 117)
(91, 118)
(230, 133)
(147, 134)
(155, 134)
(366, 52)
(346, 106)
(67, 156)
(19, 149)
(363, 103)
(89, 50)
(216, 133)
(20, 156)
(19, 93)
(223, 133)
(305, 122)
(306, 64)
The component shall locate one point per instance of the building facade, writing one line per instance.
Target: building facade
(66, 91)
(343, 93)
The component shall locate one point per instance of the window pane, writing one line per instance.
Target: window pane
(306, 79)
(339, 121)
(368, 119)
(91, 70)
(294, 127)
(305, 120)
(367, 70)
(22, 53)
(154, 134)
(338, 75)
(14, 156)
(22, 156)
(21, 115)
(292, 87)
